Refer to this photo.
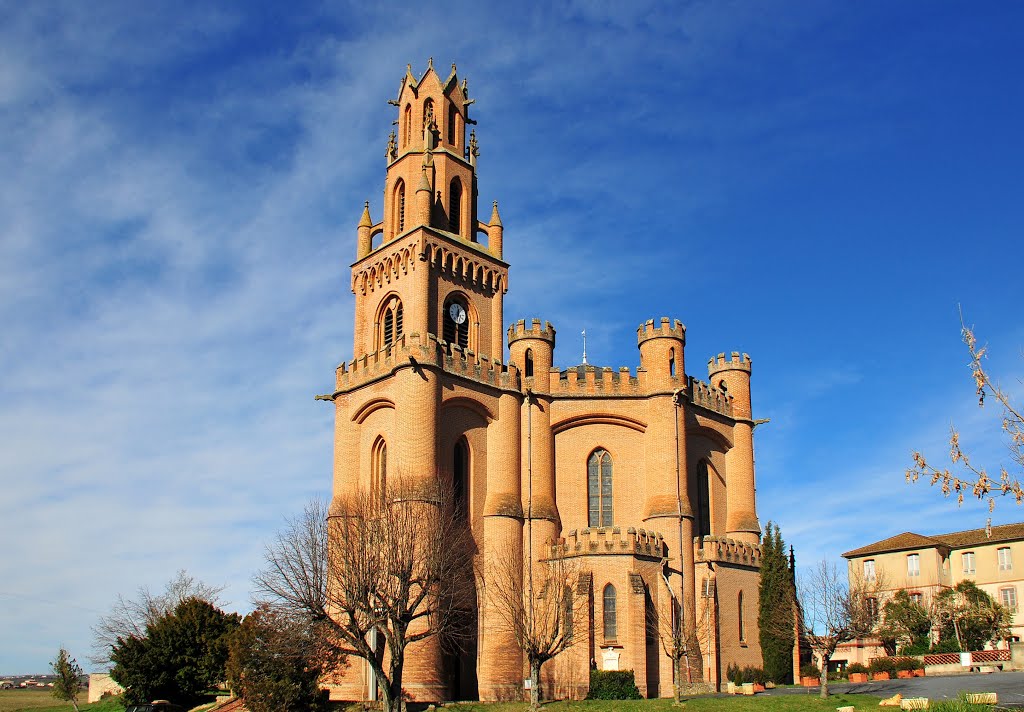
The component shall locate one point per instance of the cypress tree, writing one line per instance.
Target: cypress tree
(775, 613)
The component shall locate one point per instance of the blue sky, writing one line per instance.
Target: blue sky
(817, 184)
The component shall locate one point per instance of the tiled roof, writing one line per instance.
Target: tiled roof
(953, 540)
(906, 540)
(974, 537)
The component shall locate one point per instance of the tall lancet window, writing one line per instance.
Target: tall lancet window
(379, 470)
(599, 489)
(399, 208)
(455, 206)
(608, 604)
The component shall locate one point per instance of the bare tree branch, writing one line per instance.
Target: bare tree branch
(976, 480)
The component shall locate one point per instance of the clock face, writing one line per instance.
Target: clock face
(457, 313)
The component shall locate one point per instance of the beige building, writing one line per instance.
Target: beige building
(992, 557)
(646, 475)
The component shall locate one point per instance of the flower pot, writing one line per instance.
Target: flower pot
(730, 688)
(904, 674)
(810, 681)
(748, 688)
(880, 676)
(919, 672)
(758, 687)
(858, 677)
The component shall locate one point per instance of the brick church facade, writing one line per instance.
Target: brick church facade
(646, 476)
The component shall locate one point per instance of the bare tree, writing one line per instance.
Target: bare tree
(680, 642)
(975, 479)
(395, 564)
(546, 613)
(129, 617)
(835, 612)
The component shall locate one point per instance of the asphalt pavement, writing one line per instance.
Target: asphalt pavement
(1008, 685)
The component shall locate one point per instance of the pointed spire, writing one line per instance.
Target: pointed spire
(430, 63)
(424, 183)
(495, 218)
(365, 220)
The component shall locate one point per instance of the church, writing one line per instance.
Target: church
(645, 475)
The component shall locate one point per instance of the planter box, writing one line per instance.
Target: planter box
(858, 677)
(904, 674)
(810, 681)
(730, 688)
(919, 672)
(758, 687)
(770, 685)
(748, 688)
(880, 676)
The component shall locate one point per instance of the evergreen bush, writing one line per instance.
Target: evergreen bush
(613, 685)
(810, 670)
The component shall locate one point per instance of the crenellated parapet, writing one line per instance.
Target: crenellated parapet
(726, 550)
(707, 396)
(597, 541)
(595, 381)
(720, 363)
(665, 329)
(520, 330)
(427, 351)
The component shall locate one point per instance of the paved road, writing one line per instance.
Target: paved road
(1008, 685)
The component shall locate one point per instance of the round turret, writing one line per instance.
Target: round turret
(532, 349)
(365, 238)
(495, 232)
(661, 347)
(732, 376)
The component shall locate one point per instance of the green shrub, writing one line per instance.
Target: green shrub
(855, 667)
(810, 670)
(883, 665)
(755, 674)
(907, 664)
(613, 685)
(733, 674)
(920, 646)
(946, 645)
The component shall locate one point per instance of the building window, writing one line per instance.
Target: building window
(408, 126)
(455, 206)
(703, 501)
(968, 560)
(460, 479)
(456, 321)
(529, 363)
(451, 124)
(378, 470)
(917, 598)
(399, 208)
(869, 570)
(390, 323)
(672, 362)
(913, 564)
(871, 604)
(1005, 562)
(609, 613)
(599, 489)
(740, 618)
(567, 612)
(1008, 597)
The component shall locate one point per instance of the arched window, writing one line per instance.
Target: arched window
(703, 500)
(567, 612)
(599, 489)
(529, 363)
(455, 206)
(609, 613)
(407, 127)
(389, 326)
(451, 124)
(739, 617)
(456, 321)
(672, 362)
(460, 478)
(378, 470)
(399, 208)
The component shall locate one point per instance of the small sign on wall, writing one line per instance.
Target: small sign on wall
(527, 684)
(610, 660)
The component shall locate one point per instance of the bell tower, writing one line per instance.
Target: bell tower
(423, 267)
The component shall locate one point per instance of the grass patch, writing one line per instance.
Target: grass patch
(44, 701)
(759, 703)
